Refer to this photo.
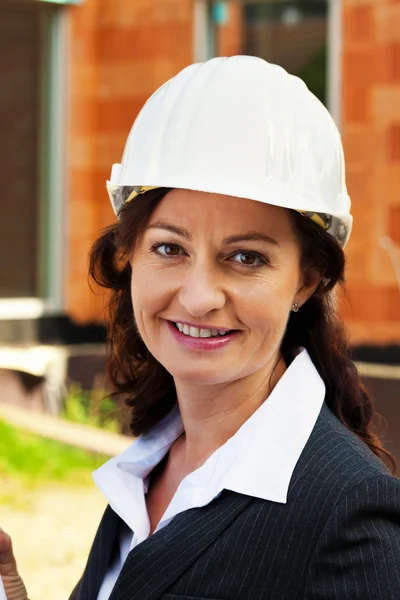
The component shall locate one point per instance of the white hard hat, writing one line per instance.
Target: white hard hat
(243, 127)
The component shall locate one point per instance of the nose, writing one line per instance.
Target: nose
(202, 291)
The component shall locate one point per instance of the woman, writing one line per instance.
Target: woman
(257, 474)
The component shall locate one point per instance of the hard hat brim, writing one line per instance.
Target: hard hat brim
(337, 225)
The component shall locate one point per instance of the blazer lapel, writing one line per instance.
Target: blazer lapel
(153, 566)
(99, 558)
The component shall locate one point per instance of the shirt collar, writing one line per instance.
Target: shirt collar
(272, 440)
(259, 459)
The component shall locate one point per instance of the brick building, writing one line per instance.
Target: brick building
(371, 135)
(76, 72)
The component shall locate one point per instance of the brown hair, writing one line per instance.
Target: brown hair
(149, 389)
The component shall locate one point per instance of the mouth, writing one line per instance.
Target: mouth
(201, 338)
(201, 332)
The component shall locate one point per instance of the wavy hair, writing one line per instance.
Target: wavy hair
(146, 386)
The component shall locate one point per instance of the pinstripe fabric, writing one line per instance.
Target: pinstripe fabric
(338, 536)
(100, 556)
(174, 548)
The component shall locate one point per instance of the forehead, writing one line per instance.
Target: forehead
(194, 210)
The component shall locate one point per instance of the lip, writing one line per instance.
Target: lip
(212, 343)
(200, 326)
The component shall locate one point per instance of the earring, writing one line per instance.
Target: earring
(295, 307)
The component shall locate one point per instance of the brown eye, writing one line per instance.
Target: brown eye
(168, 249)
(249, 259)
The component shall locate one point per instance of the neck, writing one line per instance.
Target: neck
(213, 414)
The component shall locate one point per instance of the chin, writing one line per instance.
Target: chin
(198, 376)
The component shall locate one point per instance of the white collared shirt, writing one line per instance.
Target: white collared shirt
(258, 460)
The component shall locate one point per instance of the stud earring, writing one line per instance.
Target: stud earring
(295, 307)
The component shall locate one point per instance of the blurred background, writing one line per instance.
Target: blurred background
(74, 74)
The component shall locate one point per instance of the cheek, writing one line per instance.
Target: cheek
(150, 292)
(267, 305)
(272, 287)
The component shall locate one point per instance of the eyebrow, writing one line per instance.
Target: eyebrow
(232, 239)
(172, 228)
(253, 236)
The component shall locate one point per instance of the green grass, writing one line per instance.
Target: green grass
(94, 408)
(30, 460)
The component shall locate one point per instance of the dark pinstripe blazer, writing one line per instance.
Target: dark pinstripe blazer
(338, 537)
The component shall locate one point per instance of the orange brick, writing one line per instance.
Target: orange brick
(82, 304)
(83, 116)
(385, 103)
(358, 23)
(387, 22)
(363, 144)
(131, 79)
(126, 13)
(108, 149)
(83, 219)
(355, 101)
(383, 333)
(145, 41)
(393, 142)
(356, 257)
(380, 266)
(370, 303)
(394, 225)
(386, 63)
(83, 184)
(387, 183)
(84, 79)
(364, 2)
(359, 183)
(118, 116)
(82, 152)
(182, 11)
(393, 304)
(393, 59)
(358, 80)
(230, 35)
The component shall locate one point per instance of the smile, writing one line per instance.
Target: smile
(201, 338)
(196, 332)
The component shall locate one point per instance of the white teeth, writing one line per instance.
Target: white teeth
(205, 333)
(196, 332)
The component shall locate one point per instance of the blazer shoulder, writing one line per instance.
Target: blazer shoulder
(357, 553)
(335, 460)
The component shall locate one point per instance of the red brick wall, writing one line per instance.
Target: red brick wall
(120, 52)
(371, 136)
(230, 35)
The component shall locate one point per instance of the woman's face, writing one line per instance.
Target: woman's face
(213, 281)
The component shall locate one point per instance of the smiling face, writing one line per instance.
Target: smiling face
(208, 262)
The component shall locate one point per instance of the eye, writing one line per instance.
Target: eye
(166, 249)
(249, 259)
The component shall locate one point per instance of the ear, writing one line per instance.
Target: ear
(308, 285)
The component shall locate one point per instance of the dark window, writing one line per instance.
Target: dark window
(291, 34)
(20, 76)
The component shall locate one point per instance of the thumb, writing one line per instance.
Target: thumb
(12, 583)
(8, 565)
